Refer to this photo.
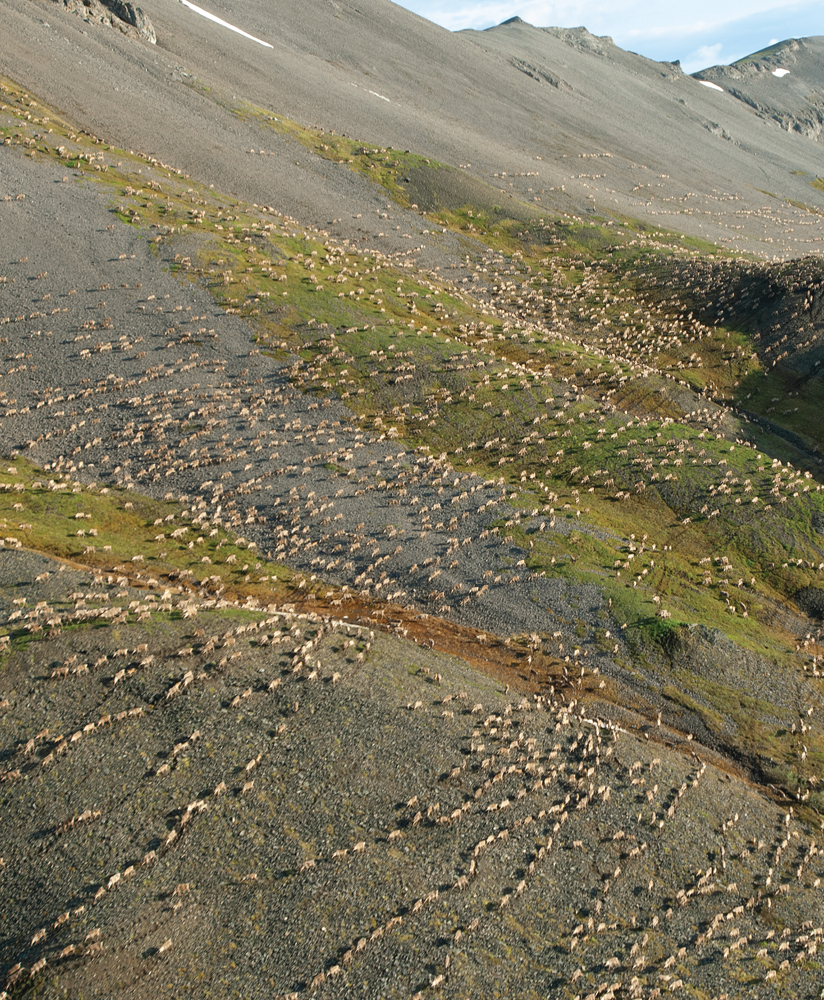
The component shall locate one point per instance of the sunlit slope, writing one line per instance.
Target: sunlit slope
(558, 445)
(626, 135)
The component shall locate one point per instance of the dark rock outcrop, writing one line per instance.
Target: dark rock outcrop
(122, 14)
(540, 75)
(811, 601)
(133, 15)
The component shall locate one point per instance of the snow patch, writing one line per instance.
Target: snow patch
(222, 23)
(704, 83)
(372, 92)
(780, 72)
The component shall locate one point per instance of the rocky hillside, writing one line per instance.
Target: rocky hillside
(783, 84)
(410, 576)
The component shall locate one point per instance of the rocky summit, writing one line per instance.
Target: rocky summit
(411, 493)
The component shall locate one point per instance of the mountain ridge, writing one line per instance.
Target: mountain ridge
(782, 83)
(489, 120)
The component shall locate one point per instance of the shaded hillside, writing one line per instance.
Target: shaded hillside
(194, 807)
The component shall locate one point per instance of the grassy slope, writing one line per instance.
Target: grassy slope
(158, 544)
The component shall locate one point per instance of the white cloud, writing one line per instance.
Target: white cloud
(709, 52)
(703, 56)
(668, 30)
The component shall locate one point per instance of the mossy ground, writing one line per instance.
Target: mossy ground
(160, 543)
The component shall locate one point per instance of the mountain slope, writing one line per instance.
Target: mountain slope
(410, 575)
(172, 99)
(783, 83)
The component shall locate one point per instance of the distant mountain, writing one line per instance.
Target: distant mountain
(783, 83)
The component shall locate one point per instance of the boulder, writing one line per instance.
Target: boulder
(133, 15)
(131, 20)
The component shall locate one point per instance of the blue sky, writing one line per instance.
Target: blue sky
(700, 33)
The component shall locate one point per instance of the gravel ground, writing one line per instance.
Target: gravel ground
(359, 819)
(219, 801)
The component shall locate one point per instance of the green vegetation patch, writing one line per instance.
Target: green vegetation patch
(153, 541)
